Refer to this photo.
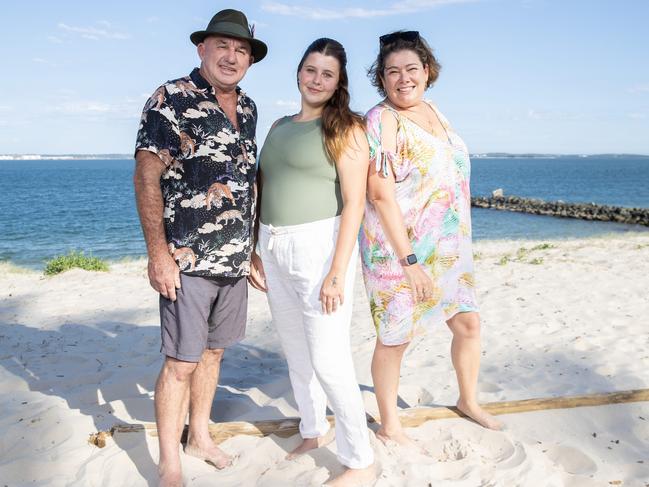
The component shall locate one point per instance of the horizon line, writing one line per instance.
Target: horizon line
(125, 155)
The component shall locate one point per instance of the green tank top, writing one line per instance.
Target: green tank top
(299, 184)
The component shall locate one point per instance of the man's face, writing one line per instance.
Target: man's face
(224, 61)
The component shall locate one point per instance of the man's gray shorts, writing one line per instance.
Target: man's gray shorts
(208, 313)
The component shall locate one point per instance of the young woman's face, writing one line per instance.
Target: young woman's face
(318, 78)
(404, 78)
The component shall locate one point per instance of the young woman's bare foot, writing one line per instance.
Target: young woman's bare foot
(397, 436)
(310, 444)
(211, 454)
(354, 477)
(170, 478)
(479, 415)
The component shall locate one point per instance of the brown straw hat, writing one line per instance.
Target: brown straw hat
(232, 23)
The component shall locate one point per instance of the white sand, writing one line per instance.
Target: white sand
(79, 353)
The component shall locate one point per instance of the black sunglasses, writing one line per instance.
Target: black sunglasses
(408, 35)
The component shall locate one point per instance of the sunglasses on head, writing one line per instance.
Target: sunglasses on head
(408, 35)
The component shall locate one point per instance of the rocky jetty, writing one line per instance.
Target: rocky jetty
(584, 211)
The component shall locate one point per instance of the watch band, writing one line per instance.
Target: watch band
(408, 260)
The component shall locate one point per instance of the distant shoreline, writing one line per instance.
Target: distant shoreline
(507, 155)
(62, 157)
(484, 155)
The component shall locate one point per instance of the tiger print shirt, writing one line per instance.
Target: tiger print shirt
(208, 183)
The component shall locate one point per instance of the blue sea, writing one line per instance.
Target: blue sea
(50, 207)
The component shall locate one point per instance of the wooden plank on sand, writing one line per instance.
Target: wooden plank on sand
(409, 417)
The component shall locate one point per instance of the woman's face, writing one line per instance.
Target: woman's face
(404, 78)
(318, 78)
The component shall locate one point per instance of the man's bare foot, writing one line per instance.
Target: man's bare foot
(354, 477)
(479, 415)
(170, 478)
(398, 437)
(211, 454)
(311, 444)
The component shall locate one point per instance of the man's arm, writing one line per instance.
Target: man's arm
(164, 274)
(257, 277)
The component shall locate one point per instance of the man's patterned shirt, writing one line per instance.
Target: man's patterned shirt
(208, 183)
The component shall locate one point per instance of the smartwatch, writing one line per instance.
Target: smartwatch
(408, 260)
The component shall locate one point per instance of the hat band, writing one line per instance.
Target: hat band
(228, 28)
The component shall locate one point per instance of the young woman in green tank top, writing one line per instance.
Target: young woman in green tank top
(311, 197)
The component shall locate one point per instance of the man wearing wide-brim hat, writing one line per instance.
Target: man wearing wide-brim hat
(194, 182)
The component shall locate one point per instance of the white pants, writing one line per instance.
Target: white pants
(296, 259)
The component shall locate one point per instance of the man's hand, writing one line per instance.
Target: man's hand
(164, 275)
(257, 278)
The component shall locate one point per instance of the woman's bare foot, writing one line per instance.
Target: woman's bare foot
(354, 477)
(211, 454)
(310, 444)
(170, 479)
(396, 436)
(479, 415)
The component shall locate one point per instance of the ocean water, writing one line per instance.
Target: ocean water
(606, 180)
(52, 207)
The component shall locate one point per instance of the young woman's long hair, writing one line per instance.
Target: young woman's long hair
(337, 118)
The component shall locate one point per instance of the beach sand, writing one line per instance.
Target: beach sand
(79, 352)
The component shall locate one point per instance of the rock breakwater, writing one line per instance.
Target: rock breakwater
(584, 211)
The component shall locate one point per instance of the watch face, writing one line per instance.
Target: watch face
(411, 259)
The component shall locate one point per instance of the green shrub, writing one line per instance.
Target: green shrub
(544, 246)
(73, 259)
(504, 259)
(521, 253)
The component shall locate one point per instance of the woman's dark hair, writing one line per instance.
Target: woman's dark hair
(403, 41)
(337, 118)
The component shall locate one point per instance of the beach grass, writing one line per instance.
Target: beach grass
(504, 259)
(523, 253)
(544, 246)
(74, 259)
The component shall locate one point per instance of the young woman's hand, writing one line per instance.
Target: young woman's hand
(332, 292)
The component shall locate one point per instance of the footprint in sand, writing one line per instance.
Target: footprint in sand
(641, 428)
(425, 397)
(572, 460)
(515, 459)
(454, 450)
(450, 449)
(489, 387)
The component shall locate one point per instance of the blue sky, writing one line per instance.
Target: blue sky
(554, 76)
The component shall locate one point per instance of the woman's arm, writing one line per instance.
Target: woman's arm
(381, 192)
(352, 172)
